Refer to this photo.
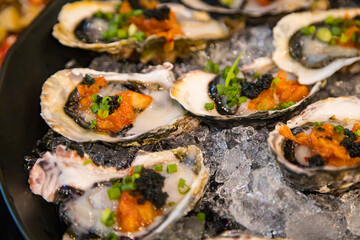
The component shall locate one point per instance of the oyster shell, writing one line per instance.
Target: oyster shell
(238, 235)
(197, 27)
(192, 92)
(250, 7)
(162, 118)
(83, 211)
(324, 179)
(316, 60)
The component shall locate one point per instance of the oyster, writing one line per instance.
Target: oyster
(253, 8)
(197, 88)
(139, 109)
(314, 45)
(80, 27)
(84, 209)
(304, 162)
(237, 235)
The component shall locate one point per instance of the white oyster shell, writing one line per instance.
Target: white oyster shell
(292, 23)
(163, 117)
(342, 110)
(54, 170)
(251, 7)
(191, 91)
(195, 25)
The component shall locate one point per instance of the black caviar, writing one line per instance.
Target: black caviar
(253, 89)
(316, 161)
(88, 80)
(349, 143)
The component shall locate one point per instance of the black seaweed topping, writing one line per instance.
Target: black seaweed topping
(161, 13)
(253, 89)
(349, 143)
(316, 161)
(320, 129)
(88, 80)
(150, 185)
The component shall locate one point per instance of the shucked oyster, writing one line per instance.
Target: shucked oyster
(140, 201)
(314, 45)
(87, 105)
(259, 90)
(152, 30)
(319, 150)
(254, 8)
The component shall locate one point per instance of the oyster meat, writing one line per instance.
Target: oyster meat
(196, 90)
(124, 28)
(253, 8)
(85, 105)
(158, 188)
(314, 45)
(319, 150)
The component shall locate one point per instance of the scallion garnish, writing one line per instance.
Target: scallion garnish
(128, 183)
(231, 71)
(120, 99)
(209, 106)
(111, 236)
(88, 161)
(339, 129)
(171, 168)
(136, 175)
(317, 124)
(242, 99)
(182, 187)
(357, 132)
(92, 124)
(212, 67)
(200, 217)
(103, 106)
(94, 98)
(256, 75)
(276, 80)
(107, 217)
(94, 108)
(103, 113)
(114, 193)
(158, 168)
(261, 107)
(171, 204)
(137, 169)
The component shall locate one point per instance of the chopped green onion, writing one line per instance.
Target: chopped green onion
(94, 108)
(158, 168)
(104, 106)
(182, 187)
(171, 168)
(317, 124)
(138, 12)
(98, 14)
(200, 217)
(308, 30)
(276, 80)
(242, 99)
(114, 193)
(88, 161)
(256, 75)
(353, 37)
(94, 98)
(129, 187)
(231, 71)
(261, 107)
(209, 106)
(357, 23)
(111, 236)
(117, 7)
(357, 132)
(137, 169)
(108, 16)
(339, 129)
(220, 89)
(212, 67)
(103, 113)
(128, 180)
(106, 100)
(120, 99)
(324, 34)
(92, 124)
(121, 34)
(333, 41)
(107, 217)
(132, 30)
(336, 31)
(329, 20)
(140, 36)
(344, 38)
(171, 204)
(136, 175)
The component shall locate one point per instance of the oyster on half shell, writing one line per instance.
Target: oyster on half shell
(61, 109)
(196, 88)
(297, 164)
(309, 44)
(251, 8)
(197, 27)
(87, 185)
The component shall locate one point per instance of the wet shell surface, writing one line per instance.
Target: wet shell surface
(192, 92)
(251, 7)
(344, 111)
(195, 25)
(286, 38)
(162, 118)
(83, 211)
